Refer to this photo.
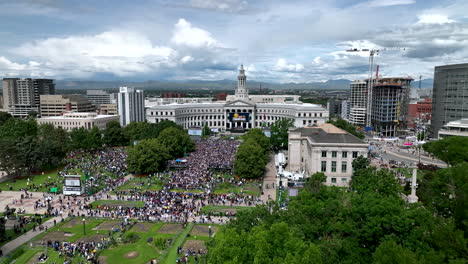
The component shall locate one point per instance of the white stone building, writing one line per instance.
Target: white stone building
(324, 148)
(131, 105)
(72, 120)
(455, 128)
(240, 112)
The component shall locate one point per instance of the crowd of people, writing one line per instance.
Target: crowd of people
(209, 155)
(85, 249)
(107, 167)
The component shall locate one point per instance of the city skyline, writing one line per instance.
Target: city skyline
(277, 41)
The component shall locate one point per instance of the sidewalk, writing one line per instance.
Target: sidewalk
(269, 181)
(14, 244)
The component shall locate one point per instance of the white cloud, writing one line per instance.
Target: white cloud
(434, 19)
(120, 53)
(220, 5)
(283, 65)
(384, 3)
(186, 35)
(186, 59)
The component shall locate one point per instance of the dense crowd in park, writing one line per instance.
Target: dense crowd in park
(169, 206)
(209, 155)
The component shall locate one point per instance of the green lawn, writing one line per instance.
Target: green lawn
(124, 203)
(145, 245)
(172, 254)
(246, 189)
(220, 208)
(38, 180)
(146, 250)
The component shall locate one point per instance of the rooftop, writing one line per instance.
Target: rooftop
(328, 133)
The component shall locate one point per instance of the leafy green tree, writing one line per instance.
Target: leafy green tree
(5, 116)
(315, 182)
(82, 138)
(360, 163)
(382, 181)
(18, 128)
(10, 157)
(256, 135)
(147, 156)
(250, 161)
(143, 130)
(114, 135)
(176, 141)
(451, 150)
(53, 145)
(279, 133)
(390, 252)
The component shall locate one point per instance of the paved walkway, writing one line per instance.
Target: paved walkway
(12, 245)
(269, 182)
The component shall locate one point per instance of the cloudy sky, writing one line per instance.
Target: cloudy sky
(277, 41)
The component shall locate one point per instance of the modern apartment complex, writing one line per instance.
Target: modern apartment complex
(450, 95)
(358, 103)
(131, 105)
(55, 105)
(22, 96)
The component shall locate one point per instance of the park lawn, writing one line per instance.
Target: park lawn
(76, 230)
(131, 185)
(221, 208)
(124, 203)
(172, 254)
(35, 179)
(246, 189)
(146, 250)
(26, 254)
(10, 233)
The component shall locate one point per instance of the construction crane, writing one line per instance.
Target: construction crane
(370, 84)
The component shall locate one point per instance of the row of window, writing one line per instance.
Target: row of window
(309, 114)
(333, 180)
(344, 166)
(344, 154)
(277, 111)
(308, 122)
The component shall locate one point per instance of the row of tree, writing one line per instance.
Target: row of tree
(370, 223)
(26, 147)
(252, 155)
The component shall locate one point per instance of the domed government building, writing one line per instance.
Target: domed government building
(240, 112)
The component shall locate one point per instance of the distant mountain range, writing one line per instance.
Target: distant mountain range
(339, 84)
(211, 85)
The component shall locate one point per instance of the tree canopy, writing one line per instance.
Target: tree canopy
(252, 155)
(176, 141)
(147, 156)
(279, 133)
(452, 150)
(370, 223)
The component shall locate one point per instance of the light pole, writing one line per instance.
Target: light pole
(84, 226)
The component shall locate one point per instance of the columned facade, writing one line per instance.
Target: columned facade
(240, 112)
